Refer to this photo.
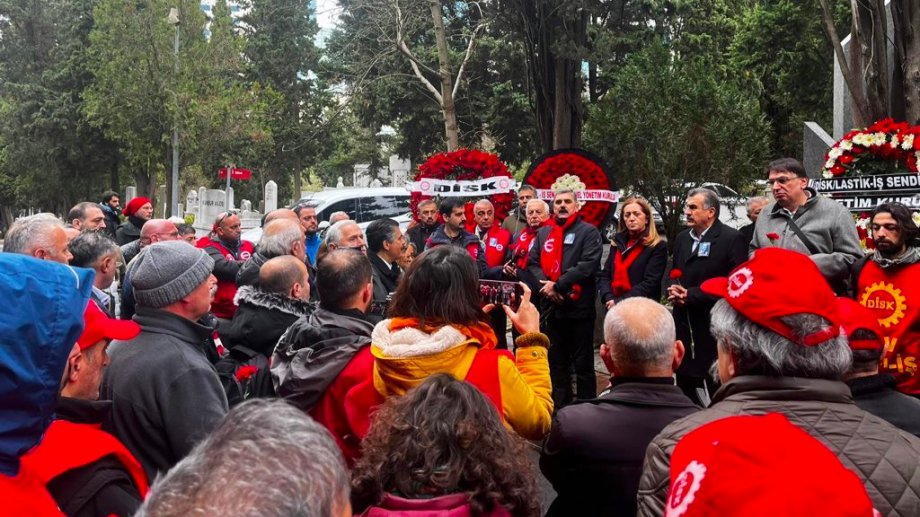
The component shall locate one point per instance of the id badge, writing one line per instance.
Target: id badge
(704, 249)
(569, 239)
(493, 242)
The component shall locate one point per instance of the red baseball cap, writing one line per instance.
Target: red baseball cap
(98, 326)
(134, 205)
(776, 283)
(855, 316)
(759, 466)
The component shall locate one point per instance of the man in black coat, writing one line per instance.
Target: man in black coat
(427, 224)
(564, 261)
(593, 454)
(707, 249)
(385, 244)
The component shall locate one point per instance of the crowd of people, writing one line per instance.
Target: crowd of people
(767, 370)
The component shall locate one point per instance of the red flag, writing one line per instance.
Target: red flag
(236, 173)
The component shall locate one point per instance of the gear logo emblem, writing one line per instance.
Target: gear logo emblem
(887, 301)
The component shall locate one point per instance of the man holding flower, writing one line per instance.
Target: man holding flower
(707, 249)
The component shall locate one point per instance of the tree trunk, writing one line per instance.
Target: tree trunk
(869, 54)
(906, 18)
(446, 75)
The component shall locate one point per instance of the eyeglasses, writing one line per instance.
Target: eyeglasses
(221, 218)
(782, 180)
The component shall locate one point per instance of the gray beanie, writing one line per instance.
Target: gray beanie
(165, 272)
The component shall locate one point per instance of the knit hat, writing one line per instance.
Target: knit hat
(760, 466)
(134, 205)
(165, 272)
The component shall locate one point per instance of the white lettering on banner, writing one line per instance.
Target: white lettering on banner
(462, 188)
(608, 196)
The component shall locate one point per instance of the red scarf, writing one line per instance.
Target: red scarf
(551, 257)
(522, 246)
(621, 284)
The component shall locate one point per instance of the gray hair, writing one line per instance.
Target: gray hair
(338, 215)
(334, 233)
(265, 458)
(640, 333)
(537, 200)
(89, 248)
(483, 202)
(31, 233)
(756, 350)
(278, 237)
(710, 198)
(756, 200)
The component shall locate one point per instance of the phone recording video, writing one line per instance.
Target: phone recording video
(501, 293)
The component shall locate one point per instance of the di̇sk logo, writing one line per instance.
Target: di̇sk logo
(740, 281)
(549, 245)
(887, 301)
(685, 488)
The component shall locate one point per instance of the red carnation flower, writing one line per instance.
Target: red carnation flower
(773, 236)
(676, 274)
(245, 372)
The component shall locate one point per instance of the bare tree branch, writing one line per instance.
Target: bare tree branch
(466, 57)
(848, 76)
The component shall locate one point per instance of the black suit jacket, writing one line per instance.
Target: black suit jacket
(645, 273)
(727, 249)
(594, 452)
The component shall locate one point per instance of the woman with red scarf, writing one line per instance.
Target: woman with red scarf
(638, 256)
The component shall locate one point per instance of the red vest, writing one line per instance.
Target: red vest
(223, 306)
(350, 401)
(24, 494)
(894, 296)
(67, 446)
(496, 243)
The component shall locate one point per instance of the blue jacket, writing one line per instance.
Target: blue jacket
(42, 317)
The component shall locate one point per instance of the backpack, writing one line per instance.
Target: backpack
(245, 374)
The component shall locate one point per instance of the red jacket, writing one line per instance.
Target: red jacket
(67, 446)
(894, 295)
(223, 306)
(496, 242)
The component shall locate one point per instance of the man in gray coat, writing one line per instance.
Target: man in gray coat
(780, 349)
(806, 222)
(165, 394)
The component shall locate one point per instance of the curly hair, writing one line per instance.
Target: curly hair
(445, 437)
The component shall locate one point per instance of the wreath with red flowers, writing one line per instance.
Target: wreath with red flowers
(461, 165)
(885, 147)
(590, 170)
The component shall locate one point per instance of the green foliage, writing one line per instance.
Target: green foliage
(669, 123)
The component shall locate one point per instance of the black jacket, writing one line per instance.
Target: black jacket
(593, 454)
(645, 273)
(419, 235)
(580, 260)
(129, 230)
(312, 353)
(166, 394)
(101, 488)
(249, 271)
(727, 250)
(748, 232)
(261, 319)
(385, 278)
(877, 395)
(111, 219)
(465, 240)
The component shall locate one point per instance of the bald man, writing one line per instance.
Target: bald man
(281, 213)
(281, 236)
(153, 231)
(265, 312)
(496, 241)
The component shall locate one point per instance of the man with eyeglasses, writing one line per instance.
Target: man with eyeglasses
(803, 221)
(888, 283)
(153, 231)
(229, 253)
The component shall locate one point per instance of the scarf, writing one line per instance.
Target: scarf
(621, 284)
(551, 257)
(480, 332)
(911, 255)
(522, 246)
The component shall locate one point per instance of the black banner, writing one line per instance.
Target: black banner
(864, 193)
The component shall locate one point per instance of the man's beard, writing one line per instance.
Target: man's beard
(888, 248)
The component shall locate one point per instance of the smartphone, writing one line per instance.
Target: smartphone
(501, 292)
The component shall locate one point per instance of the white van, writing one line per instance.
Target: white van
(362, 205)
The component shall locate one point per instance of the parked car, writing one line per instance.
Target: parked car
(362, 205)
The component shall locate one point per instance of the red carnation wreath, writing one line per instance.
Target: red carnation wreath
(882, 148)
(465, 165)
(590, 171)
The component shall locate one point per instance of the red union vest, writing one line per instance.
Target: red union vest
(496, 242)
(223, 306)
(894, 296)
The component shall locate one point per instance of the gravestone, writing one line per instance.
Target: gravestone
(130, 193)
(211, 202)
(271, 196)
(816, 141)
